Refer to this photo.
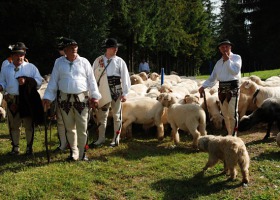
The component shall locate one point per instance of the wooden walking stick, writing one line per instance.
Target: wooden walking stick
(46, 132)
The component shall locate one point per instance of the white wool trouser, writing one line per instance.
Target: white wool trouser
(75, 122)
(61, 130)
(102, 116)
(230, 113)
(14, 129)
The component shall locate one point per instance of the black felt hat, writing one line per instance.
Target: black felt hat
(65, 42)
(19, 47)
(111, 42)
(225, 41)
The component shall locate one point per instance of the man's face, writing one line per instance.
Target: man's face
(18, 58)
(71, 50)
(112, 51)
(225, 48)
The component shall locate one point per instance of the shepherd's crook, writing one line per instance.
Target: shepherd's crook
(46, 132)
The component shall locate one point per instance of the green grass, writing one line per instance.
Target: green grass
(141, 168)
(262, 74)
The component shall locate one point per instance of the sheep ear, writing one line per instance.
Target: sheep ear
(159, 97)
(173, 100)
(247, 84)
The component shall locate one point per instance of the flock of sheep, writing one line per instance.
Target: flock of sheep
(177, 103)
(184, 91)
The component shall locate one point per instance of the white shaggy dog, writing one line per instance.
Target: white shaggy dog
(231, 150)
(278, 139)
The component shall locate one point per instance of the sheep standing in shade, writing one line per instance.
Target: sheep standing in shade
(187, 117)
(269, 112)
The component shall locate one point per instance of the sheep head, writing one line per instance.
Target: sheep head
(191, 99)
(217, 121)
(154, 76)
(248, 87)
(165, 88)
(143, 75)
(166, 99)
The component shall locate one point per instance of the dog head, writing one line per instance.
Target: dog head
(203, 142)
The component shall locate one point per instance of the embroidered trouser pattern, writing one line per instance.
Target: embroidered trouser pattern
(230, 113)
(76, 121)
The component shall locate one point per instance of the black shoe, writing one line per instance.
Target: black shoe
(70, 159)
(58, 150)
(92, 145)
(13, 152)
(29, 151)
(85, 158)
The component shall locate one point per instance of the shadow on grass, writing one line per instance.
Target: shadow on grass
(269, 156)
(140, 148)
(16, 163)
(194, 187)
(256, 142)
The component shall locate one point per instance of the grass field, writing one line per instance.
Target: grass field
(262, 74)
(141, 168)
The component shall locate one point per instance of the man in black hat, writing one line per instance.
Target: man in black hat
(73, 77)
(113, 81)
(59, 120)
(16, 77)
(228, 72)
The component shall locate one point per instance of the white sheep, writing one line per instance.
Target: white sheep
(154, 76)
(146, 111)
(152, 92)
(258, 92)
(187, 117)
(140, 89)
(136, 79)
(143, 75)
(245, 104)
(213, 105)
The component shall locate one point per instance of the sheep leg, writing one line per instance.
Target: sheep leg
(160, 132)
(175, 135)
(128, 131)
(267, 135)
(195, 134)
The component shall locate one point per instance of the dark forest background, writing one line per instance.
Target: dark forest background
(178, 35)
